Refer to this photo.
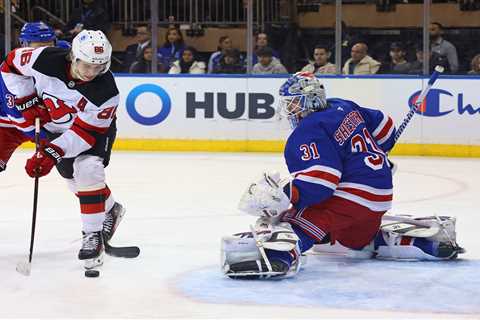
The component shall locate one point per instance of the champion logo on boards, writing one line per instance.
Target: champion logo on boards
(440, 102)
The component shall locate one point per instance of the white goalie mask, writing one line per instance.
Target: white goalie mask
(301, 95)
(93, 48)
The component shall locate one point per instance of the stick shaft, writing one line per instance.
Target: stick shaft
(35, 192)
(418, 103)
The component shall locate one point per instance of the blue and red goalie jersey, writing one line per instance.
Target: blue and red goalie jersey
(341, 152)
(10, 117)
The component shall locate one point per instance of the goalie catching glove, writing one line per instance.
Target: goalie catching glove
(265, 197)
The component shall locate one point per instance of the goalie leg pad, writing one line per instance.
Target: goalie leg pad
(439, 228)
(392, 245)
(242, 256)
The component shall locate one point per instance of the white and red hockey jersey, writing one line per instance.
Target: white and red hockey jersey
(79, 110)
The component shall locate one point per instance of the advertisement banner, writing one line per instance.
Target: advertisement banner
(244, 108)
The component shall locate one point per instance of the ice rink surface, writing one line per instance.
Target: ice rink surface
(179, 205)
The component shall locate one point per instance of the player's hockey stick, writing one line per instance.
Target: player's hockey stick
(122, 252)
(418, 103)
(24, 267)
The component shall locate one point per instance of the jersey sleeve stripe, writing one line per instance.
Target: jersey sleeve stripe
(384, 130)
(373, 198)
(9, 65)
(380, 125)
(88, 126)
(365, 187)
(5, 122)
(317, 167)
(5, 68)
(378, 206)
(367, 195)
(83, 134)
(331, 184)
(23, 126)
(322, 175)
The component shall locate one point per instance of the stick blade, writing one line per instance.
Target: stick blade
(24, 267)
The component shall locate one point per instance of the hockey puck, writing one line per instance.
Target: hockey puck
(92, 273)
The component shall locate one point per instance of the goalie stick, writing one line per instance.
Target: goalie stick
(418, 102)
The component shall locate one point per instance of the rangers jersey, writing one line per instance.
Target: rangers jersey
(79, 111)
(341, 152)
(10, 117)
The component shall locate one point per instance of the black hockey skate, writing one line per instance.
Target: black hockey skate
(92, 249)
(112, 220)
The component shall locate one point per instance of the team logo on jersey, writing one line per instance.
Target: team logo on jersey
(132, 106)
(58, 110)
(98, 49)
(441, 102)
(71, 84)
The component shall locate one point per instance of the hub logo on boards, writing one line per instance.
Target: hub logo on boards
(152, 88)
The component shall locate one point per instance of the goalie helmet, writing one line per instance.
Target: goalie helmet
(92, 47)
(301, 95)
(36, 32)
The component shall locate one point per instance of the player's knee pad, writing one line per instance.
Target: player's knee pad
(89, 172)
(272, 252)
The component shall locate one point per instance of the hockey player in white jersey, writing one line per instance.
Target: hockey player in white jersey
(80, 94)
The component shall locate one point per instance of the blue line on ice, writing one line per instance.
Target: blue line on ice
(343, 283)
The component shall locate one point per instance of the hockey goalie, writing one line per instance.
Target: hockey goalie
(338, 192)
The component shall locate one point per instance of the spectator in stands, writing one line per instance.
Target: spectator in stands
(360, 62)
(172, 48)
(398, 63)
(90, 15)
(224, 43)
(416, 67)
(267, 64)
(134, 51)
(188, 63)
(443, 47)
(261, 41)
(230, 63)
(320, 65)
(475, 64)
(143, 64)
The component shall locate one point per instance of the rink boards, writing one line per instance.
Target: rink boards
(237, 113)
(234, 113)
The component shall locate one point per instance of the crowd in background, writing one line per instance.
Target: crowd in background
(175, 56)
